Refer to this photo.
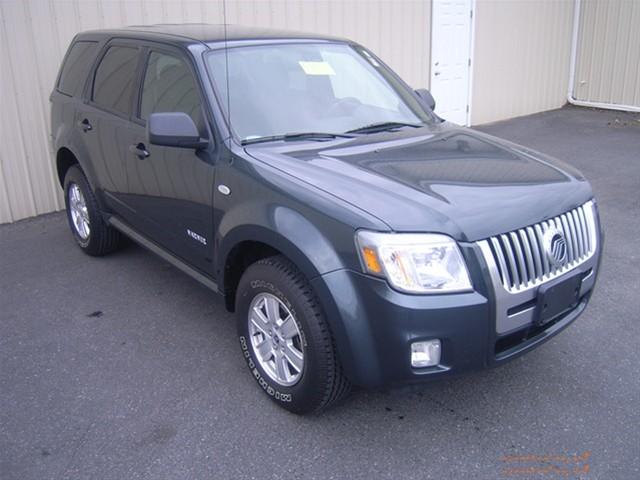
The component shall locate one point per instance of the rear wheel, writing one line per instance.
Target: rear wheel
(285, 338)
(92, 234)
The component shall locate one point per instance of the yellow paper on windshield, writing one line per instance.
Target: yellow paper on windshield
(317, 68)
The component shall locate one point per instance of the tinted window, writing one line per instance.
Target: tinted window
(76, 67)
(115, 78)
(169, 87)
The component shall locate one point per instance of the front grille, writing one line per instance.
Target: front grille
(523, 260)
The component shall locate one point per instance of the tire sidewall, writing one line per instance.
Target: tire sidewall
(262, 278)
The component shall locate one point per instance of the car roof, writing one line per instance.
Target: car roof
(206, 33)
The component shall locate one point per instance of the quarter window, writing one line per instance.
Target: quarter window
(76, 67)
(114, 79)
(169, 86)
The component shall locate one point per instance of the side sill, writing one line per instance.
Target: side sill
(162, 253)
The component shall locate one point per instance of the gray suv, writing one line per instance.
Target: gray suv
(360, 239)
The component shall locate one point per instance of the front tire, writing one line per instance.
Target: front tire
(285, 338)
(92, 234)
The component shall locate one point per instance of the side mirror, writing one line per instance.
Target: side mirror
(427, 99)
(174, 129)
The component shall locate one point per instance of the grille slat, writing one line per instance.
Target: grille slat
(536, 253)
(502, 264)
(521, 256)
(567, 233)
(574, 236)
(513, 269)
(576, 220)
(545, 260)
(583, 224)
(528, 254)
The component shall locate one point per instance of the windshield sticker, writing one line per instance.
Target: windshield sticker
(317, 68)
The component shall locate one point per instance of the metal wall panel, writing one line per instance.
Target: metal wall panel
(608, 56)
(522, 55)
(34, 35)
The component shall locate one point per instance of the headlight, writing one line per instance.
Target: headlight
(414, 262)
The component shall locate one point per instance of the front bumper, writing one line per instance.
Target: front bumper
(375, 325)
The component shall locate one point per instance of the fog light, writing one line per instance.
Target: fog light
(425, 354)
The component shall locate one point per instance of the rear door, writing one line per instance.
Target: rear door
(104, 120)
(171, 189)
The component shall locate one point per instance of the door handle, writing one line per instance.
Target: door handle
(85, 125)
(139, 150)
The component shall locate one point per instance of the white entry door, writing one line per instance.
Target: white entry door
(451, 58)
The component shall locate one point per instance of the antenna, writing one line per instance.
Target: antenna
(226, 61)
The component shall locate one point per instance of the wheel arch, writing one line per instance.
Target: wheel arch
(249, 243)
(65, 159)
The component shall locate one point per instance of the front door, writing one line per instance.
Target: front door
(451, 58)
(171, 189)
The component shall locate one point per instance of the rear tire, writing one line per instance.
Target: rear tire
(293, 358)
(90, 231)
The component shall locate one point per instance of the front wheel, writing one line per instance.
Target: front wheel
(285, 338)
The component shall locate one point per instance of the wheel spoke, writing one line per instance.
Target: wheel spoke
(272, 309)
(260, 325)
(289, 329)
(264, 349)
(282, 368)
(260, 317)
(293, 356)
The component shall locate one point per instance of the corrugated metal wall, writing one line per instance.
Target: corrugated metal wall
(608, 56)
(34, 35)
(521, 63)
(522, 55)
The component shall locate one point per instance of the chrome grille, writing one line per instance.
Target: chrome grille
(522, 259)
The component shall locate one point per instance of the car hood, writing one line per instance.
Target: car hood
(442, 178)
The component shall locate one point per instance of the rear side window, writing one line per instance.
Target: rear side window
(76, 67)
(114, 79)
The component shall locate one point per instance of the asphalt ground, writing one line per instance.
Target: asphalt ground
(124, 368)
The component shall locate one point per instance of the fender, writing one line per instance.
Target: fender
(281, 228)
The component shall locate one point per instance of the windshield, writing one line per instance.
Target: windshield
(275, 90)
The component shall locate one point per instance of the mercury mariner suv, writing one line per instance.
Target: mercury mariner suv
(360, 239)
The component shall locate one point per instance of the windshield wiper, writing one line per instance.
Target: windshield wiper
(383, 127)
(296, 136)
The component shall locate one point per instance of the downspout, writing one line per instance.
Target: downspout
(572, 70)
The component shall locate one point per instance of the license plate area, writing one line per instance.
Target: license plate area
(557, 297)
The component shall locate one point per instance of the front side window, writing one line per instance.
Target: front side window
(298, 88)
(169, 86)
(114, 79)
